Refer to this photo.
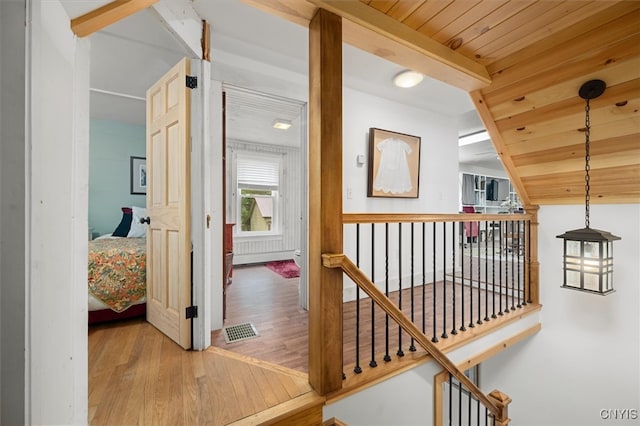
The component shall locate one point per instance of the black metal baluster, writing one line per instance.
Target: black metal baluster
(479, 278)
(400, 352)
(412, 346)
(357, 369)
(493, 268)
(471, 324)
(477, 410)
(444, 281)
(486, 270)
(486, 416)
(434, 339)
(386, 358)
(373, 362)
(513, 268)
(459, 403)
(463, 239)
(502, 227)
(424, 278)
(506, 268)
(453, 280)
(450, 398)
(469, 407)
(519, 305)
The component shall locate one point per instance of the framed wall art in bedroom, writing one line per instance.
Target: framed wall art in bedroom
(138, 175)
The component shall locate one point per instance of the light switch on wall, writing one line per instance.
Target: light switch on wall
(360, 159)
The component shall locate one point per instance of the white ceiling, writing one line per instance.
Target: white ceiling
(249, 49)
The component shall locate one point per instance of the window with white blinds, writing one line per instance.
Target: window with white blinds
(258, 173)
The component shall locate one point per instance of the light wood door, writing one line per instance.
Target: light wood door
(168, 205)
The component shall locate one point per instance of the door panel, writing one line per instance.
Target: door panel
(168, 205)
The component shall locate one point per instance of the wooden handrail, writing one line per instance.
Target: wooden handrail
(352, 218)
(362, 281)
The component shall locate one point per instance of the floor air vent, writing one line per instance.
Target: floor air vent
(236, 333)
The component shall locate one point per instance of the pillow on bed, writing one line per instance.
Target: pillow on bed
(138, 230)
(125, 223)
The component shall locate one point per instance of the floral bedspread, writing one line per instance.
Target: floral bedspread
(118, 271)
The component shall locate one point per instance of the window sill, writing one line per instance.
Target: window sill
(257, 237)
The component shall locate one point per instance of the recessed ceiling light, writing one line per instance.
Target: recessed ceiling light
(407, 78)
(281, 124)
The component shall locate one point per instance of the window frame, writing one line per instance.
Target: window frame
(276, 219)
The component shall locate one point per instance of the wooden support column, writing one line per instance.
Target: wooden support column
(535, 265)
(502, 401)
(325, 200)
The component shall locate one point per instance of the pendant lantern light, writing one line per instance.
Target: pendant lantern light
(588, 253)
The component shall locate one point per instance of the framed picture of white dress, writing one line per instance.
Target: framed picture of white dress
(394, 164)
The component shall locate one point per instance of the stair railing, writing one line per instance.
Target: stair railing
(496, 406)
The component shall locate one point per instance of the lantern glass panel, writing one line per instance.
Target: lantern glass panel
(573, 248)
(573, 278)
(591, 282)
(591, 250)
(606, 282)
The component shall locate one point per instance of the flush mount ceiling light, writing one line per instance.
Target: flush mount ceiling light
(281, 124)
(407, 78)
(588, 253)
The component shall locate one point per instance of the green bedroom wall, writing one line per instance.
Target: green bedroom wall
(112, 145)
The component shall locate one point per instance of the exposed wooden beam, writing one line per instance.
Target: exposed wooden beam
(106, 15)
(183, 21)
(296, 11)
(206, 41)
(368, 29)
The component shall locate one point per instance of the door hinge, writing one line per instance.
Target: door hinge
(191, 312)
(192, 82)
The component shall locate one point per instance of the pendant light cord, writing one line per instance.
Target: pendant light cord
(587, 198)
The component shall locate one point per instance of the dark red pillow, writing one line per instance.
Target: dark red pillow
(125, 223)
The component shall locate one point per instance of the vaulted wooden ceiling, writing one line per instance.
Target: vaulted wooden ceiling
(523, 63)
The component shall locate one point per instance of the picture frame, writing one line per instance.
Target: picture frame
(138, 175)
(394, 164)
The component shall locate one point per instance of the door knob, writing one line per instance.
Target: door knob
(146, 220)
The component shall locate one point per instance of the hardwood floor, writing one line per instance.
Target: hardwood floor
(270, 302)
(137, 376)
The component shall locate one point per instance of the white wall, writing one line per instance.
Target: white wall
(56, 213)
(586, 358)
(438, 186)
(407, 399)
(12, 209)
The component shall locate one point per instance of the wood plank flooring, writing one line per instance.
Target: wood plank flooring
(137, 376)
(270, 302)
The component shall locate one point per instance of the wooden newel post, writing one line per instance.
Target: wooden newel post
(502, 401)
(534, 269)
(325, 201)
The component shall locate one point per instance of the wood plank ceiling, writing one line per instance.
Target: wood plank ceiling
(536, 55)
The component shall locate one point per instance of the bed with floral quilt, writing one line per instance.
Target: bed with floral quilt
(117, 278)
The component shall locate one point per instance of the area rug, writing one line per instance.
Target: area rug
(285, 268)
